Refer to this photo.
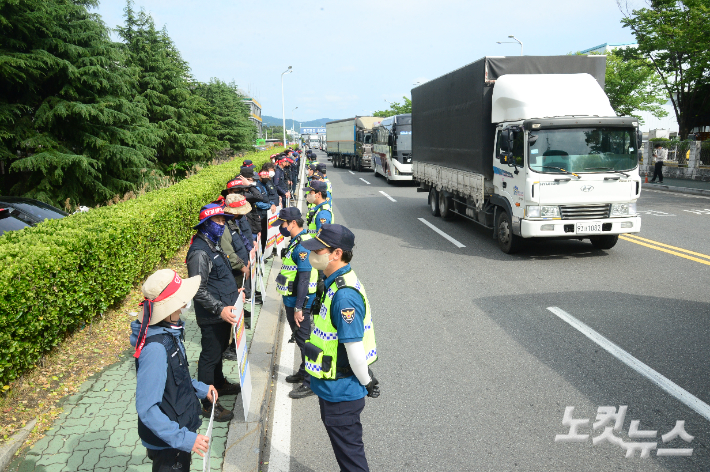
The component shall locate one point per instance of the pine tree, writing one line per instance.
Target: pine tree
(230, 112)
(178, 117)
(69, 128)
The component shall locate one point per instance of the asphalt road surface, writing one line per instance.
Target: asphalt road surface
(480, 353)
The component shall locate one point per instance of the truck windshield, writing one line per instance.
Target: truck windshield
(583, 150)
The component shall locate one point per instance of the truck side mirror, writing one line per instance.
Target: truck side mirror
(390, 140)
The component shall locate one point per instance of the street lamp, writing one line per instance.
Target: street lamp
(283, 106)
(513, 42)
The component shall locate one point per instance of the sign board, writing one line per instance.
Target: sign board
(313, 130)
(272, 232)
(240, 339)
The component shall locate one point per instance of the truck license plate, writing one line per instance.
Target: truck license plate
(591, 227)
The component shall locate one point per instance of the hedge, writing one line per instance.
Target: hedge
(59, 275)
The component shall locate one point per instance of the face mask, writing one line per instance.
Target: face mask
(319, 261)
(184, 310)
(284, 231)
(272, 173)
(311, 198)
(212, 230)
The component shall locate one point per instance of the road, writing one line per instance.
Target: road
(476, 371)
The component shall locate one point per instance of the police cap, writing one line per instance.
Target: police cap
(332, 237)
(287, 214)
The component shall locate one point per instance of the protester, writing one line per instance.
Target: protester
(233, 243)
(659, 155)
(265, 186)
(214, 302)
(167, 399)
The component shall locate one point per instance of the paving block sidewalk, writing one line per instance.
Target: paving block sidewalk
(97, 431)
(684, 183)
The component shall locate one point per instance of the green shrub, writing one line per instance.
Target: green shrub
(57, 276)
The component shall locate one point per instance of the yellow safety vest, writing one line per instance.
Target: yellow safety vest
(313, 215)
(289, 269)
(322, 347)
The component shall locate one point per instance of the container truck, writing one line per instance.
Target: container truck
(529, 147)
(392, 147)
(349, 142)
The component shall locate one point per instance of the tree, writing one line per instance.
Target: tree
(396, 109)
(632, 85)
(69, 128)
(178, 117)
(230, 113)
(672, 35)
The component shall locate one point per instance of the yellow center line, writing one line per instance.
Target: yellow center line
(666, 250)
(668, 246)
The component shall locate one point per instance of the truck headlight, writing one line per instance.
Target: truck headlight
(623, 209)
(542, 211)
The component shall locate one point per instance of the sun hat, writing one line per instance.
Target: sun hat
(236, 205)
(165, 292)
(210, 210)
(236, 183)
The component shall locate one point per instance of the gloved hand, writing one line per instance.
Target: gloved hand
(283, 252)
(373, 391)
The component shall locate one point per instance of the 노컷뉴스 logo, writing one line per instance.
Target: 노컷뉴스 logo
(610, 420)
(586, 188)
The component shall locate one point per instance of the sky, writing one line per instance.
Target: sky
(349, 57)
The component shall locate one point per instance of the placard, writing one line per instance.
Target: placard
(240, 340)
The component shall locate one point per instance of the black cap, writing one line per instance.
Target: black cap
(287, 214)
(316, 185)
(321, 166)
(247, 163)
(332, 237)
(247, 171)
(316, 175)
(312, 166)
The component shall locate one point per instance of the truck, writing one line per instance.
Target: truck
(349, 143)
(392, 148)
(314, 141)
(530, 147)
(323, 145)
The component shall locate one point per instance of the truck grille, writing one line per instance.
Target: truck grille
(584, 212)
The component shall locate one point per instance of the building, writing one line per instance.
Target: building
(254, 112)
(607, 47)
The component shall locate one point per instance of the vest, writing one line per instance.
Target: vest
(179, 402)
(220, 283)
(321, 350)
(313, 213)
(328, 186)
(287, 275)
(237, 242)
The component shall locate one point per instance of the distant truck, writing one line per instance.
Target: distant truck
(314, 141)
(323, 145)
(349, 142)
(530, 147)
(392, 147)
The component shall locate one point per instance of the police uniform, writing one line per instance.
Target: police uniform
(319, 214)
(297, 282)
(343, 317)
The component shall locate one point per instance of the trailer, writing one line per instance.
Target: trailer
(349, 142)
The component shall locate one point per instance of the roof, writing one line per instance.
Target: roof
(605, 45)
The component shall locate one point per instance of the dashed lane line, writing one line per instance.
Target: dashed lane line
(368, 183)
(388, 197)
(682, 395)
(351, 172)
(437, 230)
(660, 247)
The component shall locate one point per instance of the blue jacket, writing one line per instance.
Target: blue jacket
(150, 384)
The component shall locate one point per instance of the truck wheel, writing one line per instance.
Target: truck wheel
(354, 164)
(604, 242)
(507, 241)
(446, 204)
(434, 201)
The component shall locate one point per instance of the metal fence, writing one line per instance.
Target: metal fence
(677, 153)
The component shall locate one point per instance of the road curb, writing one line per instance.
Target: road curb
(242, 451)
(684, 190)
(8, 450)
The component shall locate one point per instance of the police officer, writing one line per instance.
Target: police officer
(296, 282)
(214, 302)
(341, 346)
(321, 168)
(321, 212)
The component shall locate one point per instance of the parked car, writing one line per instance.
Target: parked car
(18, 213)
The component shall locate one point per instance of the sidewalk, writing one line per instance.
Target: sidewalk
(687, 186)
(97, 430)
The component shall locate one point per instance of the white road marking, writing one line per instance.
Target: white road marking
(280, 456)
(390, 198)
(351, 172)
(693, 402)
(452, 240)
(368, 183)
